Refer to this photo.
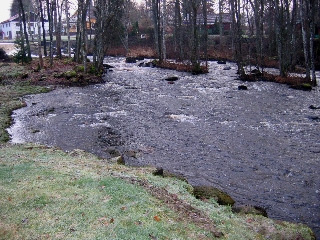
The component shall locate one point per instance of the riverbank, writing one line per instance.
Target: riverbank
(47, 193)
(19, 80)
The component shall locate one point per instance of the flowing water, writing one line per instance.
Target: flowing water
(262, 146)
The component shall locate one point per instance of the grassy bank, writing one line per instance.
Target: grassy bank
(49, 194)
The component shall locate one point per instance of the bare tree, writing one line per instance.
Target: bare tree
(43, 29)
(205, 29)
(108, 17)
(178, 44)
(39, 35)
(50, 19)
(237, 34)
(156, 10)
(164, 26)
(258, 9)
(68, 26)
(21, 7)
(307, 26)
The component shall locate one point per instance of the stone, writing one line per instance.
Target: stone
(248, 209)
(227, 68)
(314, 118)
(222, 62)
(207, 192)
(314, 107)
(171, 78)
(242, 87)
(107, 66)
(256, 72)
(165, 173)
(131, 60)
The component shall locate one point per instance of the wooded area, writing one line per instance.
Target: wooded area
(286, 31)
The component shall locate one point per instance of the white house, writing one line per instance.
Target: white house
(10, 28)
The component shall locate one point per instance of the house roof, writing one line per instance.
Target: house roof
(11, 19)
(16, 18)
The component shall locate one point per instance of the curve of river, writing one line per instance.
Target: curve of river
(262, 146)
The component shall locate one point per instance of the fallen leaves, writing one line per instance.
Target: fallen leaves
(157, 218)
(104, 221)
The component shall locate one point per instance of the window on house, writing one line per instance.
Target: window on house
(17, 24)
(18, 32)
(31, 24)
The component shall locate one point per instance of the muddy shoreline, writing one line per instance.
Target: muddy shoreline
(260, 145)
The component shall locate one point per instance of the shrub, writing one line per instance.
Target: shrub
(21, 55)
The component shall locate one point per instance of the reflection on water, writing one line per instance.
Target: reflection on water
(262, 146)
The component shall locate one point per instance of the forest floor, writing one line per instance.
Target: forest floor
(47, 193)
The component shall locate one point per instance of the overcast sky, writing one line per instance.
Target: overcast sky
(5, 6)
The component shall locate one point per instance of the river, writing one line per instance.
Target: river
(261, 145)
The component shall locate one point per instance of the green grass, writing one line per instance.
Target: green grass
(48, 194)
(42, 199)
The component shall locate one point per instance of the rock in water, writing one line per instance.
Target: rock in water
(171, 78)
(221, 62)
(256, 72)
(131, 60)
(314, 107)
(242, 87)
(107, 66)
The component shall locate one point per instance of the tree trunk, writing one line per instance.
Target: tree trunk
(29, 26)
(205, 33)
(39, 36)
(178, 29)
(164, 25)
(194, 37)
(43, 30)
(221, 23)
(50, 12)
(156, 9)
(25, 29)
(305, 35)
(68, 26)
(59, 27)
(84, 34)
(79, 33)
(237, 34)
(312, 31)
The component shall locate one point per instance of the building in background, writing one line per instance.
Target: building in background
(10, 29)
